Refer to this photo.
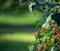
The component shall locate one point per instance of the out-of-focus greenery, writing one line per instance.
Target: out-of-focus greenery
(16, 41)
(12, 5)
(16, 13)
(20, 37)
(12, 13)
(19, 20)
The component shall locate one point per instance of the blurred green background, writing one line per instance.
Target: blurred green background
(17, 25)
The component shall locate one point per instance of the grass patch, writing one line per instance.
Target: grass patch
(23, 37)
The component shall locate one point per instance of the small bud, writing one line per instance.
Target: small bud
(35, 34)
(47, 44)
(54, 26)
(40, 47)
(46, 28)
(57, 33)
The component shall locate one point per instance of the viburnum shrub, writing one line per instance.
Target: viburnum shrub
(48, 37)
